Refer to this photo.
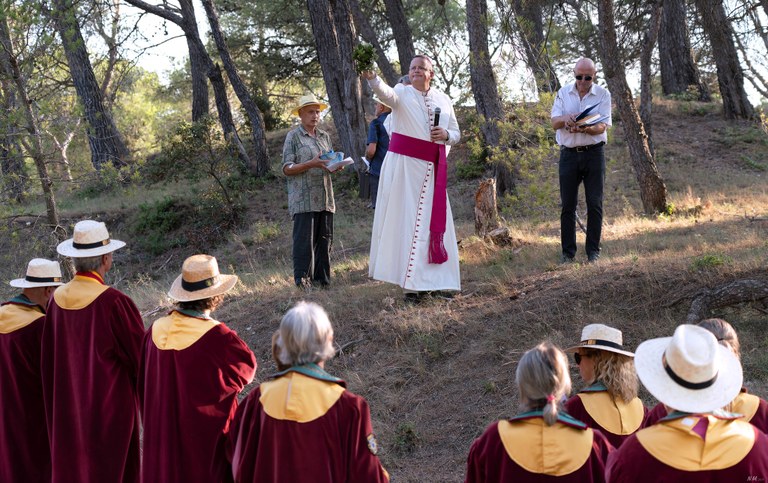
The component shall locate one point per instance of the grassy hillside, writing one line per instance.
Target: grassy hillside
(436, 374)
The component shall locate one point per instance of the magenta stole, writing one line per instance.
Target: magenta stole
(432, 153)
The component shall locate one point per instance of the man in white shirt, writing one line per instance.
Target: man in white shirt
(581, 155)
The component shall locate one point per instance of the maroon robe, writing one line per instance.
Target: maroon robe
(759, 419)
(575, 407)
(24, 453)
(336, 447)
(633, 462)
(489, 461)
(189, 397)
(90, 359)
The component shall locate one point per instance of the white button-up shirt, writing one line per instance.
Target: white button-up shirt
(568, 102)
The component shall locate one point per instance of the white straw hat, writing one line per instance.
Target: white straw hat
(308, 100)
(40, 273)
(200, 279)
(689, 371)
(378, 99)
(90, 239)
(602, 337)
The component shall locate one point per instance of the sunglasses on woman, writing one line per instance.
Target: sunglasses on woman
(585, 77)
(577, 357)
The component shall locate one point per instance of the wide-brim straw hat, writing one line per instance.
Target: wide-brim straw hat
(200, 279)
(308, 100)
(602, 337)
(40, 273)
(377, 99)
(689, 371)
(90, 239)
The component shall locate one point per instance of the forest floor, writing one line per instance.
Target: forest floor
(438, 373)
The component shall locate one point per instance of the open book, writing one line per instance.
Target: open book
(591, 120)
(336, 160)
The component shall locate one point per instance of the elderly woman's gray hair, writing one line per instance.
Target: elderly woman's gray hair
(305, 335)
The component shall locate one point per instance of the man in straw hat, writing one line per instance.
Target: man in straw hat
(90, 357)
(310, 194)
(192, 369)
(378, 144)
(694, 377)
(24, 452)
(413, 241)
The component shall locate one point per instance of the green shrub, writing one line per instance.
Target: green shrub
(709, 261)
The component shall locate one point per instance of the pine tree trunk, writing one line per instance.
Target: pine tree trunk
(646, 94)
(528, 17)
(260, 165)
(334, 38)
(106, 142)
(10, 68)
(485, 90)
(369, 35)
(402, 32)
(653, 192)
(11, 155)
(678, 69)
(730, 77)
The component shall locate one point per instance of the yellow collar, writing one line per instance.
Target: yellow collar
(613, 415)
(296, 397)
(675, 444)
(14, 317)
(178, 331)
(555, 450)
(746, 404)
(79, 293)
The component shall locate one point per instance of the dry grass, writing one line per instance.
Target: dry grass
(438, 373)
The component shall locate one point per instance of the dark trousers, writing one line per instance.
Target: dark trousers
(312, 239)
(374, 184)
(577, 167)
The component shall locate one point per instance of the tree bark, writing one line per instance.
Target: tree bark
(485, 90)
(402, 33)
(11, 70)
(528, 18)
(646, 93)
(725, 295)
(334, 35)
(678, 69)
(105, 141)
(486, 211)
(653, 192)
(369, 35)
(11, 155)
(730, 77)
(260, 165)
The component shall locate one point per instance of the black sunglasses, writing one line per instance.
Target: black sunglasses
(585, 77)
(577, 357)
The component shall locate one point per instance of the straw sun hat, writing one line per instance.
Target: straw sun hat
(377, 99)
(689, 371)
(308, 100)
(90, 239)
(200, 279)
(40, 273)
(599, 336)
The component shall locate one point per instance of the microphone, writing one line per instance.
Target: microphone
(437, 117)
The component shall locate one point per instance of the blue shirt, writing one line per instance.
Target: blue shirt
(377, 134)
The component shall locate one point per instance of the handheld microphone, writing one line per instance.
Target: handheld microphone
(437, 117)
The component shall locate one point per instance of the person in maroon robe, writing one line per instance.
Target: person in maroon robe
(542, 443)
(752, 408)
(695, 376)
(24, 453)
(609, 401)
(303, 425)
(192, 369)
(91, 344)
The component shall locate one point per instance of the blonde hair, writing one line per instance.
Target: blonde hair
(617, 372)
(724, 333)
(543, 380)
(305, 336)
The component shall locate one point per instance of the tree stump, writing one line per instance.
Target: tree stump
(486, 213)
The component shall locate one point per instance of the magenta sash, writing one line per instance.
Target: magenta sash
(433, 153)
